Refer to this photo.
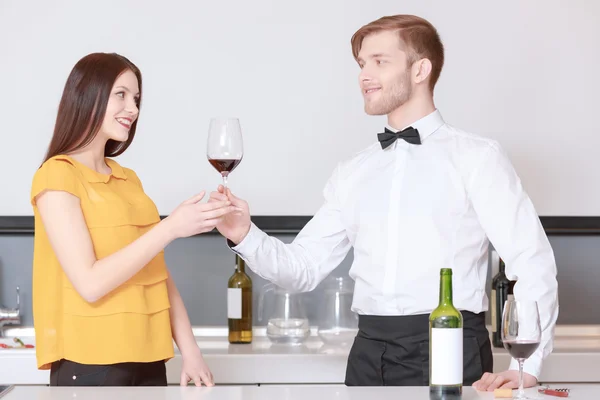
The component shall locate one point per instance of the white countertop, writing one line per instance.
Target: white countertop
(575, 358)
(578, 392)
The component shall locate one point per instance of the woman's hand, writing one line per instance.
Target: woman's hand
(195, 369)
(192, 217)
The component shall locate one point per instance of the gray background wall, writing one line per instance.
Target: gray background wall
(201, 266)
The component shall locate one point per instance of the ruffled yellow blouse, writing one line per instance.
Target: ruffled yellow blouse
(131, 323)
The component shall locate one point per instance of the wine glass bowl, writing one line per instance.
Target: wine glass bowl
(225, 147)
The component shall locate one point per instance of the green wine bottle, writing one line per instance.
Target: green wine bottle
(445, 344)
(239, 304)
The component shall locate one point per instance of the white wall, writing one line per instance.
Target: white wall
(523, 72)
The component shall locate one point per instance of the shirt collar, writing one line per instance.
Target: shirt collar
(426, 125)
(94, 176)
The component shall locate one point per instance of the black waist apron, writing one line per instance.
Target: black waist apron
(394, 350)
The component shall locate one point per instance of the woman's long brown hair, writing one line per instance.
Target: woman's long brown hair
(83, 104)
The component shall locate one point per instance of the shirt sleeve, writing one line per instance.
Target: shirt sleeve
(55, 174)
(511, 223)
(316, 251)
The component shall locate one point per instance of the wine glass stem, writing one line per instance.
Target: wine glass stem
(225, 182)
(521, 391)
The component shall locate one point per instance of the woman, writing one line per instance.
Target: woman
(106, 309)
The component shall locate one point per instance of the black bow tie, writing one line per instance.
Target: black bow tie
(410, 134)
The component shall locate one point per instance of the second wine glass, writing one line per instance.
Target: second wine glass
(521, 333)
(225, 148)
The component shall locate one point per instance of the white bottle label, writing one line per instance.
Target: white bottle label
(234, 303)
(446, 356)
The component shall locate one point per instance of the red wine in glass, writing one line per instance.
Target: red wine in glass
(224, 166)
(521, 349)
(224, 148)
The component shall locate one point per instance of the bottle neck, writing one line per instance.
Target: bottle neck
(240, 265)
(501, 267)
(446, 290)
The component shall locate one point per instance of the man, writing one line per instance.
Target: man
(429, 197)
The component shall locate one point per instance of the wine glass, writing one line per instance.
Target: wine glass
(521, 333)
(225, 145)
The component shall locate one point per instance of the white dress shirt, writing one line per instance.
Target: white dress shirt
(410, 210)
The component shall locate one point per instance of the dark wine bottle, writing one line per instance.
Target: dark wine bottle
(239, 304)
(445, 344)
(502, 290)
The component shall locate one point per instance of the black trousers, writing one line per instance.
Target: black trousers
(394, 351)
(69, 373)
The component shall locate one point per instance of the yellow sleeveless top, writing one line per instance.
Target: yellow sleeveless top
(129, 324)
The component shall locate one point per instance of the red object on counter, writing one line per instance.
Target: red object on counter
(21, 345)
(554, 392)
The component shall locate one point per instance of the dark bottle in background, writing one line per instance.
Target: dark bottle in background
(502, 290)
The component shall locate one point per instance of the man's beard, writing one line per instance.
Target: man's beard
(391, 99)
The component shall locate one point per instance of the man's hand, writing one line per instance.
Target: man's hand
(235, 225)
(504, 380)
